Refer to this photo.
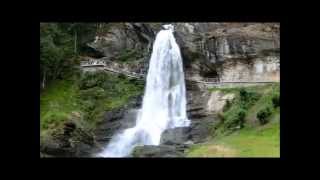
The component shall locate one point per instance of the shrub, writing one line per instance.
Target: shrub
(263, 115)
(243, 94)
(92, 79)
(276, 100)
(236, 118)
(247, 98)
(92, 93)
(239, 120)
(227, 105)
(241, 114)
(121, 76)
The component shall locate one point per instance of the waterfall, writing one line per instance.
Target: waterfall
(164, 101)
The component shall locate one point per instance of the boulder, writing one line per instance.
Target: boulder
(200, 129)
(175, 136)
(218, 100)
(156, 151)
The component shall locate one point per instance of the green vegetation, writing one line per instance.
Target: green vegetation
(263, 115)
(233, 116)
(129, 55)
(66, 94)
(84, 99)
(100, 92)
(276, 100)
(263, 141)
(249, 126)
(60, 45)
(57, 103)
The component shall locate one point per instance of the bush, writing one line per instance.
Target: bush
(263, 115)
(276, 100)
(236, 118)
(92, 93)
(243, 94)
(240, 117)
(227, 105)
(92, 79)
(247, 98)
(122, 76)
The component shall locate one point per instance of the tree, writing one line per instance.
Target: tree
(60, 45)
(55, 48)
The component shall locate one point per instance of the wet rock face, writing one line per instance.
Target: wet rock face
(117, 120)
(72, 141)
(175, 136)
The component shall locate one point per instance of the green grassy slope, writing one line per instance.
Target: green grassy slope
(83, 99)
(254, 140)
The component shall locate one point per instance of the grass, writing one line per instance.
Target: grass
(83, 99)
(253, 140)
(248, 142)
(57, 102)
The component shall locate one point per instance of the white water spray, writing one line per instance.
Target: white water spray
(164, 101)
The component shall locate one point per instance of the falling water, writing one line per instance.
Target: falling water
(164, 101)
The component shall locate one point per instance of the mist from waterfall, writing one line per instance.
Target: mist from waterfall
(164, 101)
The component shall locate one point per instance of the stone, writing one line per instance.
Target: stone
(207, 48)
(156, 151)
(218, 100)
(174, 136)
(200, 130)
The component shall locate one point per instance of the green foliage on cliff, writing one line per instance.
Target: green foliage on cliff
(99, 92)
(249, 101)
(84, 98)
(233, 116)
(252, 138)
(57, 103)
(129, 55)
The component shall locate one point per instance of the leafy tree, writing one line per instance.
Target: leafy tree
(59, 44)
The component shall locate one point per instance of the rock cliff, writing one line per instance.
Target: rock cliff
(245, 52)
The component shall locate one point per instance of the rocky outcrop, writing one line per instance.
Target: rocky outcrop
(218, 100)
(231, 51)
(71, 141)
(117, 120)
(175, 136)
(157, 151)
(214, 51)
